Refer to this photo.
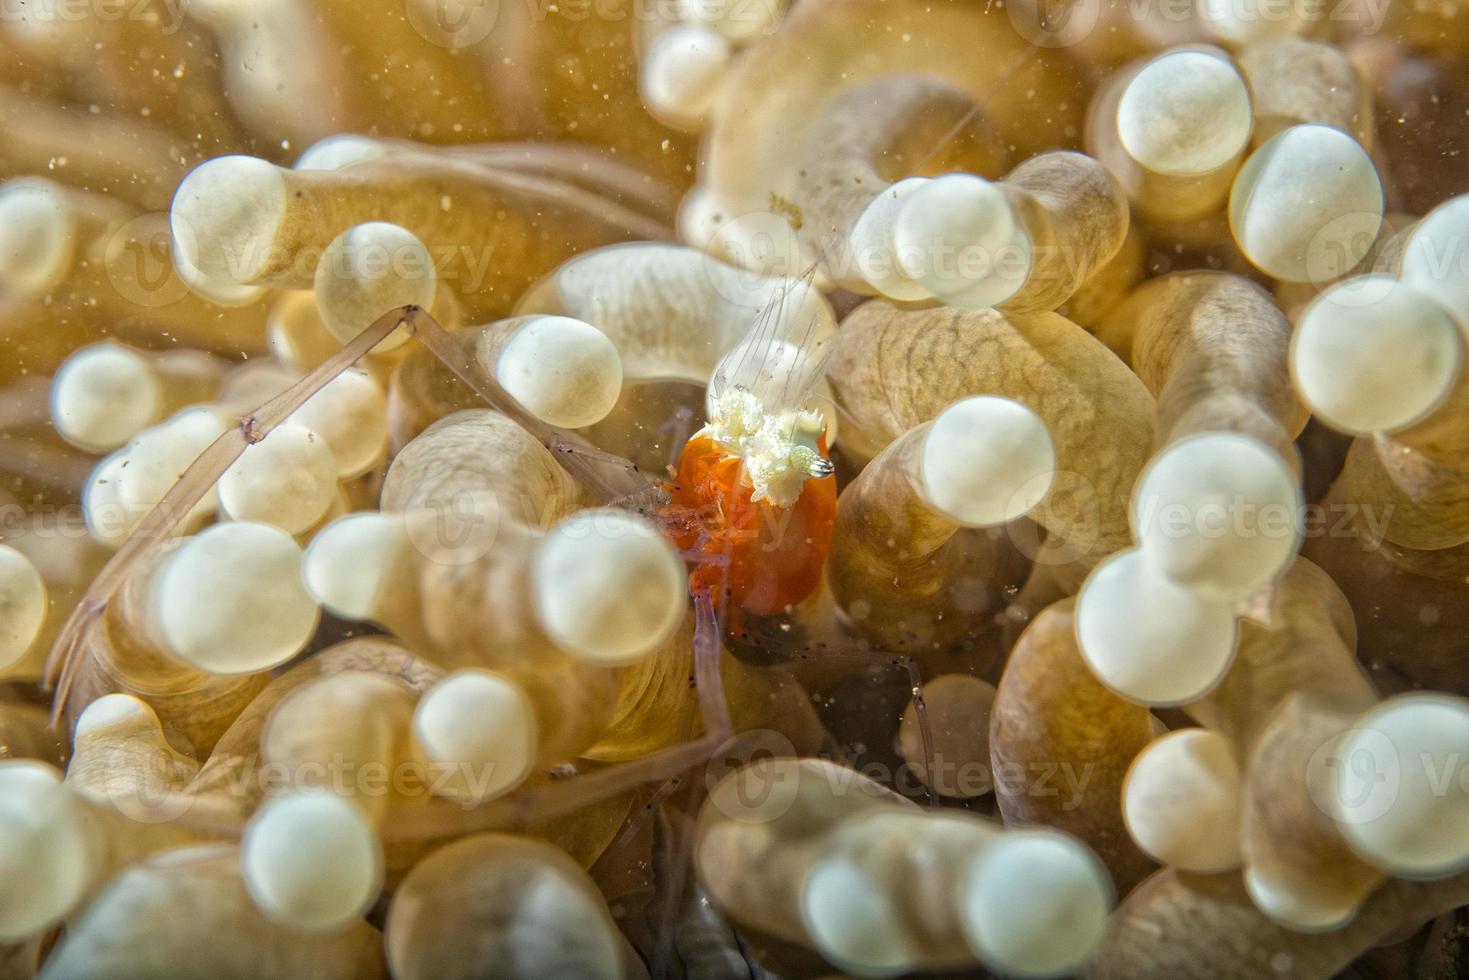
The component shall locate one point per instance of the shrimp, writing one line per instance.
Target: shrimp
(753, 498)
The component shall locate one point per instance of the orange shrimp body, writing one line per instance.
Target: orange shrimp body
(764, 557)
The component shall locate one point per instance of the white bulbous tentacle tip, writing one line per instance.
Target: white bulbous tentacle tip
(294, 334)
(1219, 513)
(37, 236)
(368, 270)
(338, 151)
(311, 861)
(1308, 910)
(221, 292)
(1375, 354)
(1182, 801)
(959, 237)
(1307, 205)
(26, 774)
(1035, 903)
(225, 217)
(109, 521)
(23, 604)
(1185, 113)
(112, 712)
(987, 461)
(854, 920)
(103, 395)
(607, 587)
(157, 457)
(1148, 638)
(231, 600)
(699, 217)
(564, 371)
(351, 413)
(874, 248)
(1435, 258)
(46, 857)
(1400, 792)
(288, 479)
(348, 561)
(681, 71)
(766, 242)
(480, 727)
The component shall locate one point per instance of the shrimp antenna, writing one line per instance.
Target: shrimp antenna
(769, 318)
(620, 481)
(807, 377)
(760, 351)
